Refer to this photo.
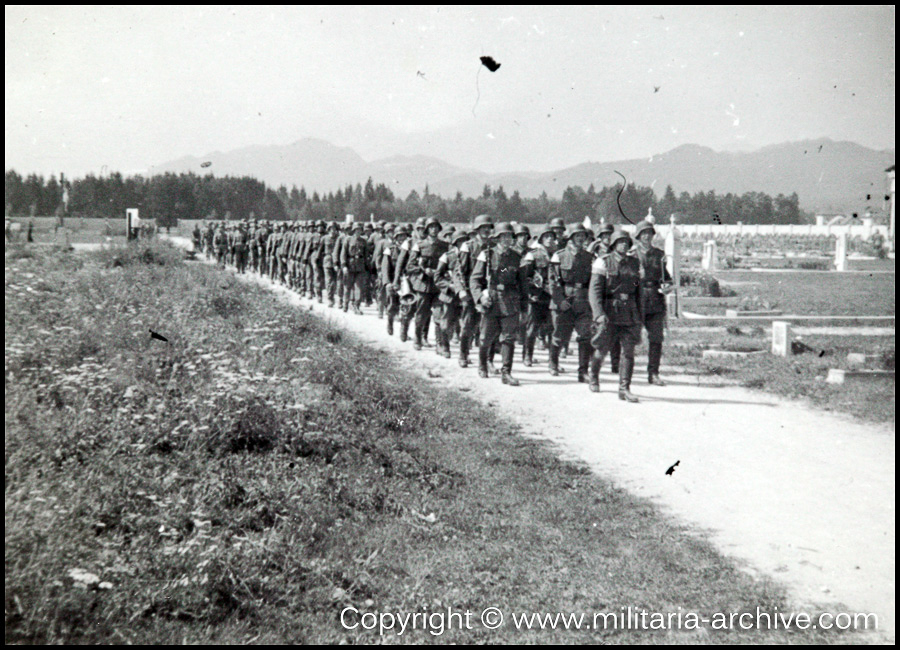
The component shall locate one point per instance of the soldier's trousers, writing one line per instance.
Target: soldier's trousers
(537, 317)
(497, 327)
(354, 287)
(330, 283)
(622, 337)
(381, 296)
(320, 281)
(655, 326)
(577, 317)
(468, 322)
(446, 318)
(240, 260)
(220, 257)
(423, 306)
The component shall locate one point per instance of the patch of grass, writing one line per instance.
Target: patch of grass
(260, 472)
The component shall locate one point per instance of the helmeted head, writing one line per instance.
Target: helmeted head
(559, 226)
(503, 235)
(521, 230)
(547, 236)
(577, 235)
(644, 227)
(620, 241)
(432, 227)
(483, 224)
(459, 237)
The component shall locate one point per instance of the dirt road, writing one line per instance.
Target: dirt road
(800, 496)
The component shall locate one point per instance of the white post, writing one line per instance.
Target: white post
(710, 256)
(781, 338)
(673, 262)
(840, 252)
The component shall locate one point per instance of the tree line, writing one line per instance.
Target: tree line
(170, 197)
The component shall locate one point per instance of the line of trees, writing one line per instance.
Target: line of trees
(170, 197)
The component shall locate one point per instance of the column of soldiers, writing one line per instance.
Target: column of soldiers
(489, 288)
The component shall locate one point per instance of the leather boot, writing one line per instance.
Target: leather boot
(596, 362)
(584, 360)
(417, 333)
(438, 340)
(615, 353)
(404, 330)
(626, 368)
(463, 351)
(483, 362)
(390, 325)
(508, 353)
(554, 361)
(528, 353)
(493, 352)
(445, 344)
(654, 357)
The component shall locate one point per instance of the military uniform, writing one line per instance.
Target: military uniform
(570, 275)
(451, 293)
(615, 296)
(353, 264)
(419, 261)
(654, 276)
(536, 264)
(327, 245)
(390, 255)
(469, 316)
(497, 284)
(220, 241)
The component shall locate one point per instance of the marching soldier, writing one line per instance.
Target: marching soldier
(570, 274)
(316, 261)
(498, 287)
(655, 280)
(536, 263)
(196, 238)
(419, 262)
(220, 241)
(615, 296)
(242, 241)
(390, 255)
(208, 238)
(468, 254)
(380, 239)
(328, 244)
(353, 265)
(451, 293)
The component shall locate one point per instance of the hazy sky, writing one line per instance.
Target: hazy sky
(127, 88)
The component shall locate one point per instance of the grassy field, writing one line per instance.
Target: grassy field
(260, 472)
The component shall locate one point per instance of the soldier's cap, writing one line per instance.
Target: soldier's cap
(432, 221)
(521, 229)
(334, 225)
(482, 220)
(557, 222)
(502, 229)
(320, 224)
(420, 222)
(643, 226)
(577, 228)
(458, 236)
(605, 229)
(618, 234)
(382, 223)
(358, 226)
(370, 225)
(546, 230)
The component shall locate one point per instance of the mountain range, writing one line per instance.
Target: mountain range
(828, 176)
